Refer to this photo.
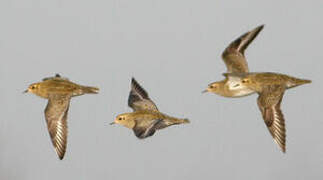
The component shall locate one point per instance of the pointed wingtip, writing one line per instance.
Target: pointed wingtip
(133, 80)
(60, 152)
(282, 146)
(261, 26)
(240, 44)
(258, 29)
(284, 151)
(61, 156)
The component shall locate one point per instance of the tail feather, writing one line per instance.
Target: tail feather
(185, 121)
(302, 81)
(90, 90)
(181, 121)
(173, 121)
(298, 82)
(305, 81)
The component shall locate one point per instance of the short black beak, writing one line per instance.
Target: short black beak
(112, 123)
(26, 91)
(205, 91)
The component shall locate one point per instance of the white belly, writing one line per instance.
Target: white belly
(238, 89)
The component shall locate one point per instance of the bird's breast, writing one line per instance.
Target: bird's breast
(235, 88)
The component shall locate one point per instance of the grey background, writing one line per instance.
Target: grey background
(173, 48)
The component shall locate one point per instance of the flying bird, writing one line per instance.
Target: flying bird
(145, 119)
(270, 87)
(58, 91)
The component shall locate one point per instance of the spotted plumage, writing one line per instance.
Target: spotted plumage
(146, 118)
(59, 92)
(269, 86)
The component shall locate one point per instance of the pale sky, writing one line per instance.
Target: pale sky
(173, 48)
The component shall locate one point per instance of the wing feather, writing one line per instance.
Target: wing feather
(138, 98)
(144, 132)
(56, 116)
(269, 104)
(233, 55)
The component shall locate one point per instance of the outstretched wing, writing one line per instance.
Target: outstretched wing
(56, 117)
(233, 55)
(138, 98)
(143, 132)
(269, 104)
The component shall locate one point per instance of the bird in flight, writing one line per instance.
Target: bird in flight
(58, 91)
(270, 87)
(145, 119)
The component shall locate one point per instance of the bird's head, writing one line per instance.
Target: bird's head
(33, 88)
(213, 88)
(125, 120)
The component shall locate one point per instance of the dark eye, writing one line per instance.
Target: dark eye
(33, 87)
(120, 118)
